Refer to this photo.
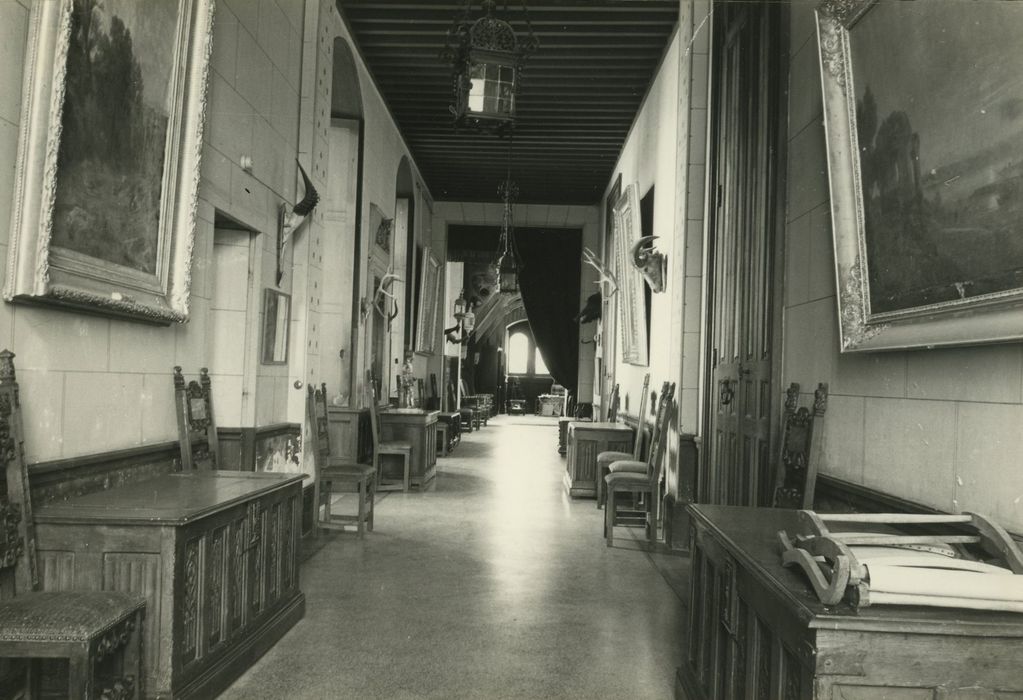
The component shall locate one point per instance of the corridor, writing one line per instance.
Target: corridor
(493, 584)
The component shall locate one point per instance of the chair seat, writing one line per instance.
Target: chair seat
(395, 446)
(346, 470)
(627, 480)
(64, 616)
(606, 458)
(630, 466)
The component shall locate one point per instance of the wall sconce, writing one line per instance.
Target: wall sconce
(461, 331)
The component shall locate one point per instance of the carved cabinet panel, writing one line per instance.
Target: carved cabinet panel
(586, 440)
(215, 555)
(757, 630)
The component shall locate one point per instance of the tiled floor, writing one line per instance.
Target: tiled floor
(493, 584)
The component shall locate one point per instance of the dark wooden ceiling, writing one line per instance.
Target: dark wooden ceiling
(580, 91)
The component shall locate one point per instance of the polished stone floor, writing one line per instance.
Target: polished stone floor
(492, 584)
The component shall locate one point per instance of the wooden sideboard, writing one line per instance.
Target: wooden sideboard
(418, 428)
(214, 553)
(757, 630)
(586, 440)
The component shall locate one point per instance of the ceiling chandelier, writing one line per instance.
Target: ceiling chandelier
(486, 58)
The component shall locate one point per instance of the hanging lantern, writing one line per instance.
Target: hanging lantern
(509, 275)
(460, 306)
(487, 62)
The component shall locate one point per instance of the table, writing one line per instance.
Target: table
(449, 423)
(215, 555)
(756, 629)
(419, 428)
(586, 440)
(549, 404)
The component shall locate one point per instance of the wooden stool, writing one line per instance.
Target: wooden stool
(361, 478)
(93, 630)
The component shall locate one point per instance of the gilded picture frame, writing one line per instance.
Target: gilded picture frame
(631, 302)
(429, 296)
(924, 126)
(276, 327)
(107, 172)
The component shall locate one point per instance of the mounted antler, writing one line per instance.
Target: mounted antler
(382, 291)
(289, 221)
(591, 259)
(650, 262)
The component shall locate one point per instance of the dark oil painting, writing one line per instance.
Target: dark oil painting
(114, 130)
(939, 120)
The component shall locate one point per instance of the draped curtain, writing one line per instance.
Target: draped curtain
(549, 284)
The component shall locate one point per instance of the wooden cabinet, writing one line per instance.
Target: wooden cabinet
(757, 630)
(418, 428)
(586, 440)
(214, 553)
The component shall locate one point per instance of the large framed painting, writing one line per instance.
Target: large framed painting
(631, 302)
(923, 106)
(107, 174)
(429, 298)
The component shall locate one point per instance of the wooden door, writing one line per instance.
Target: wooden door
(743, 235)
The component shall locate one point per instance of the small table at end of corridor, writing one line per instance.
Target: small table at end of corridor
(586, 440)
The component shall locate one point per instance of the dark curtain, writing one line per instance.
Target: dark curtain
(549, 283)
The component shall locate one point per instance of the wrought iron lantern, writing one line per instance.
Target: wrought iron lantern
(487, 59)
(507, 260)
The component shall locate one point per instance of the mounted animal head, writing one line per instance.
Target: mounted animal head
(593, 260)
(650, 262)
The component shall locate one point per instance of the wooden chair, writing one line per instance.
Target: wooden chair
(641, 478)
(392, 448)
(337, 476)
(612, 406)
(606, 459)
(98, 632)
(197, 429)
(796, 474)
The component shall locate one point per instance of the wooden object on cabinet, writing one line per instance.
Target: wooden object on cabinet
(585, 441)
(418, 428)
(626, 476)
(757, 629)
(98, 632)
(215, 554)
(800, 450)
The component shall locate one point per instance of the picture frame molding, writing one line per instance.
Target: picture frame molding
(989, 318)
(631, 302)
(426, 314)
(39, 272)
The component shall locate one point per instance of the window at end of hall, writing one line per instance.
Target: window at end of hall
(523, 356)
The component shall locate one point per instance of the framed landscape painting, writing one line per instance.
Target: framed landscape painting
(923, 111)
(429, 298)
(107, 175)
(628, 229)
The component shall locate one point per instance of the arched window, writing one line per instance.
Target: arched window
(523, 357)
(518, 353)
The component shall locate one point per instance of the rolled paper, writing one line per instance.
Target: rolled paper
(945, 602)
(943, 583)
(897, 556)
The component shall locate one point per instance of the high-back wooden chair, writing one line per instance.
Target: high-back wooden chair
(334, 476)
(98, 632)
(625, 476)
(607, 458)
(391, 448)
(197, 429)
(796, 470)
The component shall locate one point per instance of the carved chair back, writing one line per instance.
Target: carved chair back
(659, 437)
(197, 428)
(374, 417)
(316, 410)
(18, 566)
(637, 449)
(796, 470)
(612, 405)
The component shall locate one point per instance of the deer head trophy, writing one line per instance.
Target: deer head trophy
(649, 261)
(383, 292)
